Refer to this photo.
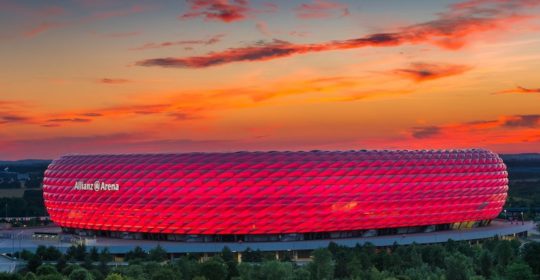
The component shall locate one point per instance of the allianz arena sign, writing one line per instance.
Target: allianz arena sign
(96, 186)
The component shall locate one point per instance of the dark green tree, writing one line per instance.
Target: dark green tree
(157, 254)
(214, 269)
(485, 263)
(274, 270)
(61, 263)
(322, 265)
(188, 267)
(230, 261)
(46, 269)
(519, 271)
(30, 276)
(33, 263)
(504, 253)
(252, 256)
(114, 276)
(80, 274)
(301, 273)
(136, 254)
(458, 267)
(531, 255)
(9, 276)
(166, 274)
(94, 254)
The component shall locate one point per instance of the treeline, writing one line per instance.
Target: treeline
(494, 259)
(30, 205)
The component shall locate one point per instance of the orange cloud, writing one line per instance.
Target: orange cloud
(450, 31)
(421, 72)
(505, 129)
(521, 90)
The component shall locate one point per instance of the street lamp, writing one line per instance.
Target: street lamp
(522, 220)
(505, 216)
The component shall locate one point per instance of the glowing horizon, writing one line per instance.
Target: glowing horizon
(93, 76)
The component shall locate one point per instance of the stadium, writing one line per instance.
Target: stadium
(275, 196)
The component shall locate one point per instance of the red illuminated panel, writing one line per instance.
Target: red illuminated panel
(274, 192)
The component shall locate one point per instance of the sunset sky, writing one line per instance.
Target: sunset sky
(100, 76)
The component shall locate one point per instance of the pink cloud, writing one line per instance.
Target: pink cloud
(210, 41)
(219, 10)
(320, 9)
(451, 30)
(421, 72)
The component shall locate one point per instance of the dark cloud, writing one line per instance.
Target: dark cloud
(212, 40)
(68, 120)
(91, 114)
(450, 31)
(421, 72)
(522, 121)
(521, 90)
(219, 10)
(12, 118)
(321, 9)
(425, 131)
(111, 81)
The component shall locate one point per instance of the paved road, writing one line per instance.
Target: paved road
(119, 246)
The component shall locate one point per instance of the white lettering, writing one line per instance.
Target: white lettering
(96, 186)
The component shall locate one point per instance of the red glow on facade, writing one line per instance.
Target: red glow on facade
(274, 192)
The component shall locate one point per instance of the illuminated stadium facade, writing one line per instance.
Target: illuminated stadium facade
(274, 196)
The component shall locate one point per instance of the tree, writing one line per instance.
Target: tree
(252, 256)
(61, 263)
(214, 269)
(34, 263)
(76, 252)
(30, 276)
(519, 271)
(105, 255)
(531, 255)
(80, 274)
(157, 254)
(46, 269)
(503, 253)
(51, 277)
(70, 268)
(301, 274)
(458, 267)
(274, 270)
(9, 276)
(94, 254)
(322, 265)
(486, 263)
(188, 267)
(114, 276)
(165, 274)
(136, 254)
(230, 261)
(96, 274)
(26, 255)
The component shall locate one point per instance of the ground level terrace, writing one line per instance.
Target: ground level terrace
(13, 240)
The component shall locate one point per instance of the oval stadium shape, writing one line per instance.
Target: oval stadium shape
(274, 192)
